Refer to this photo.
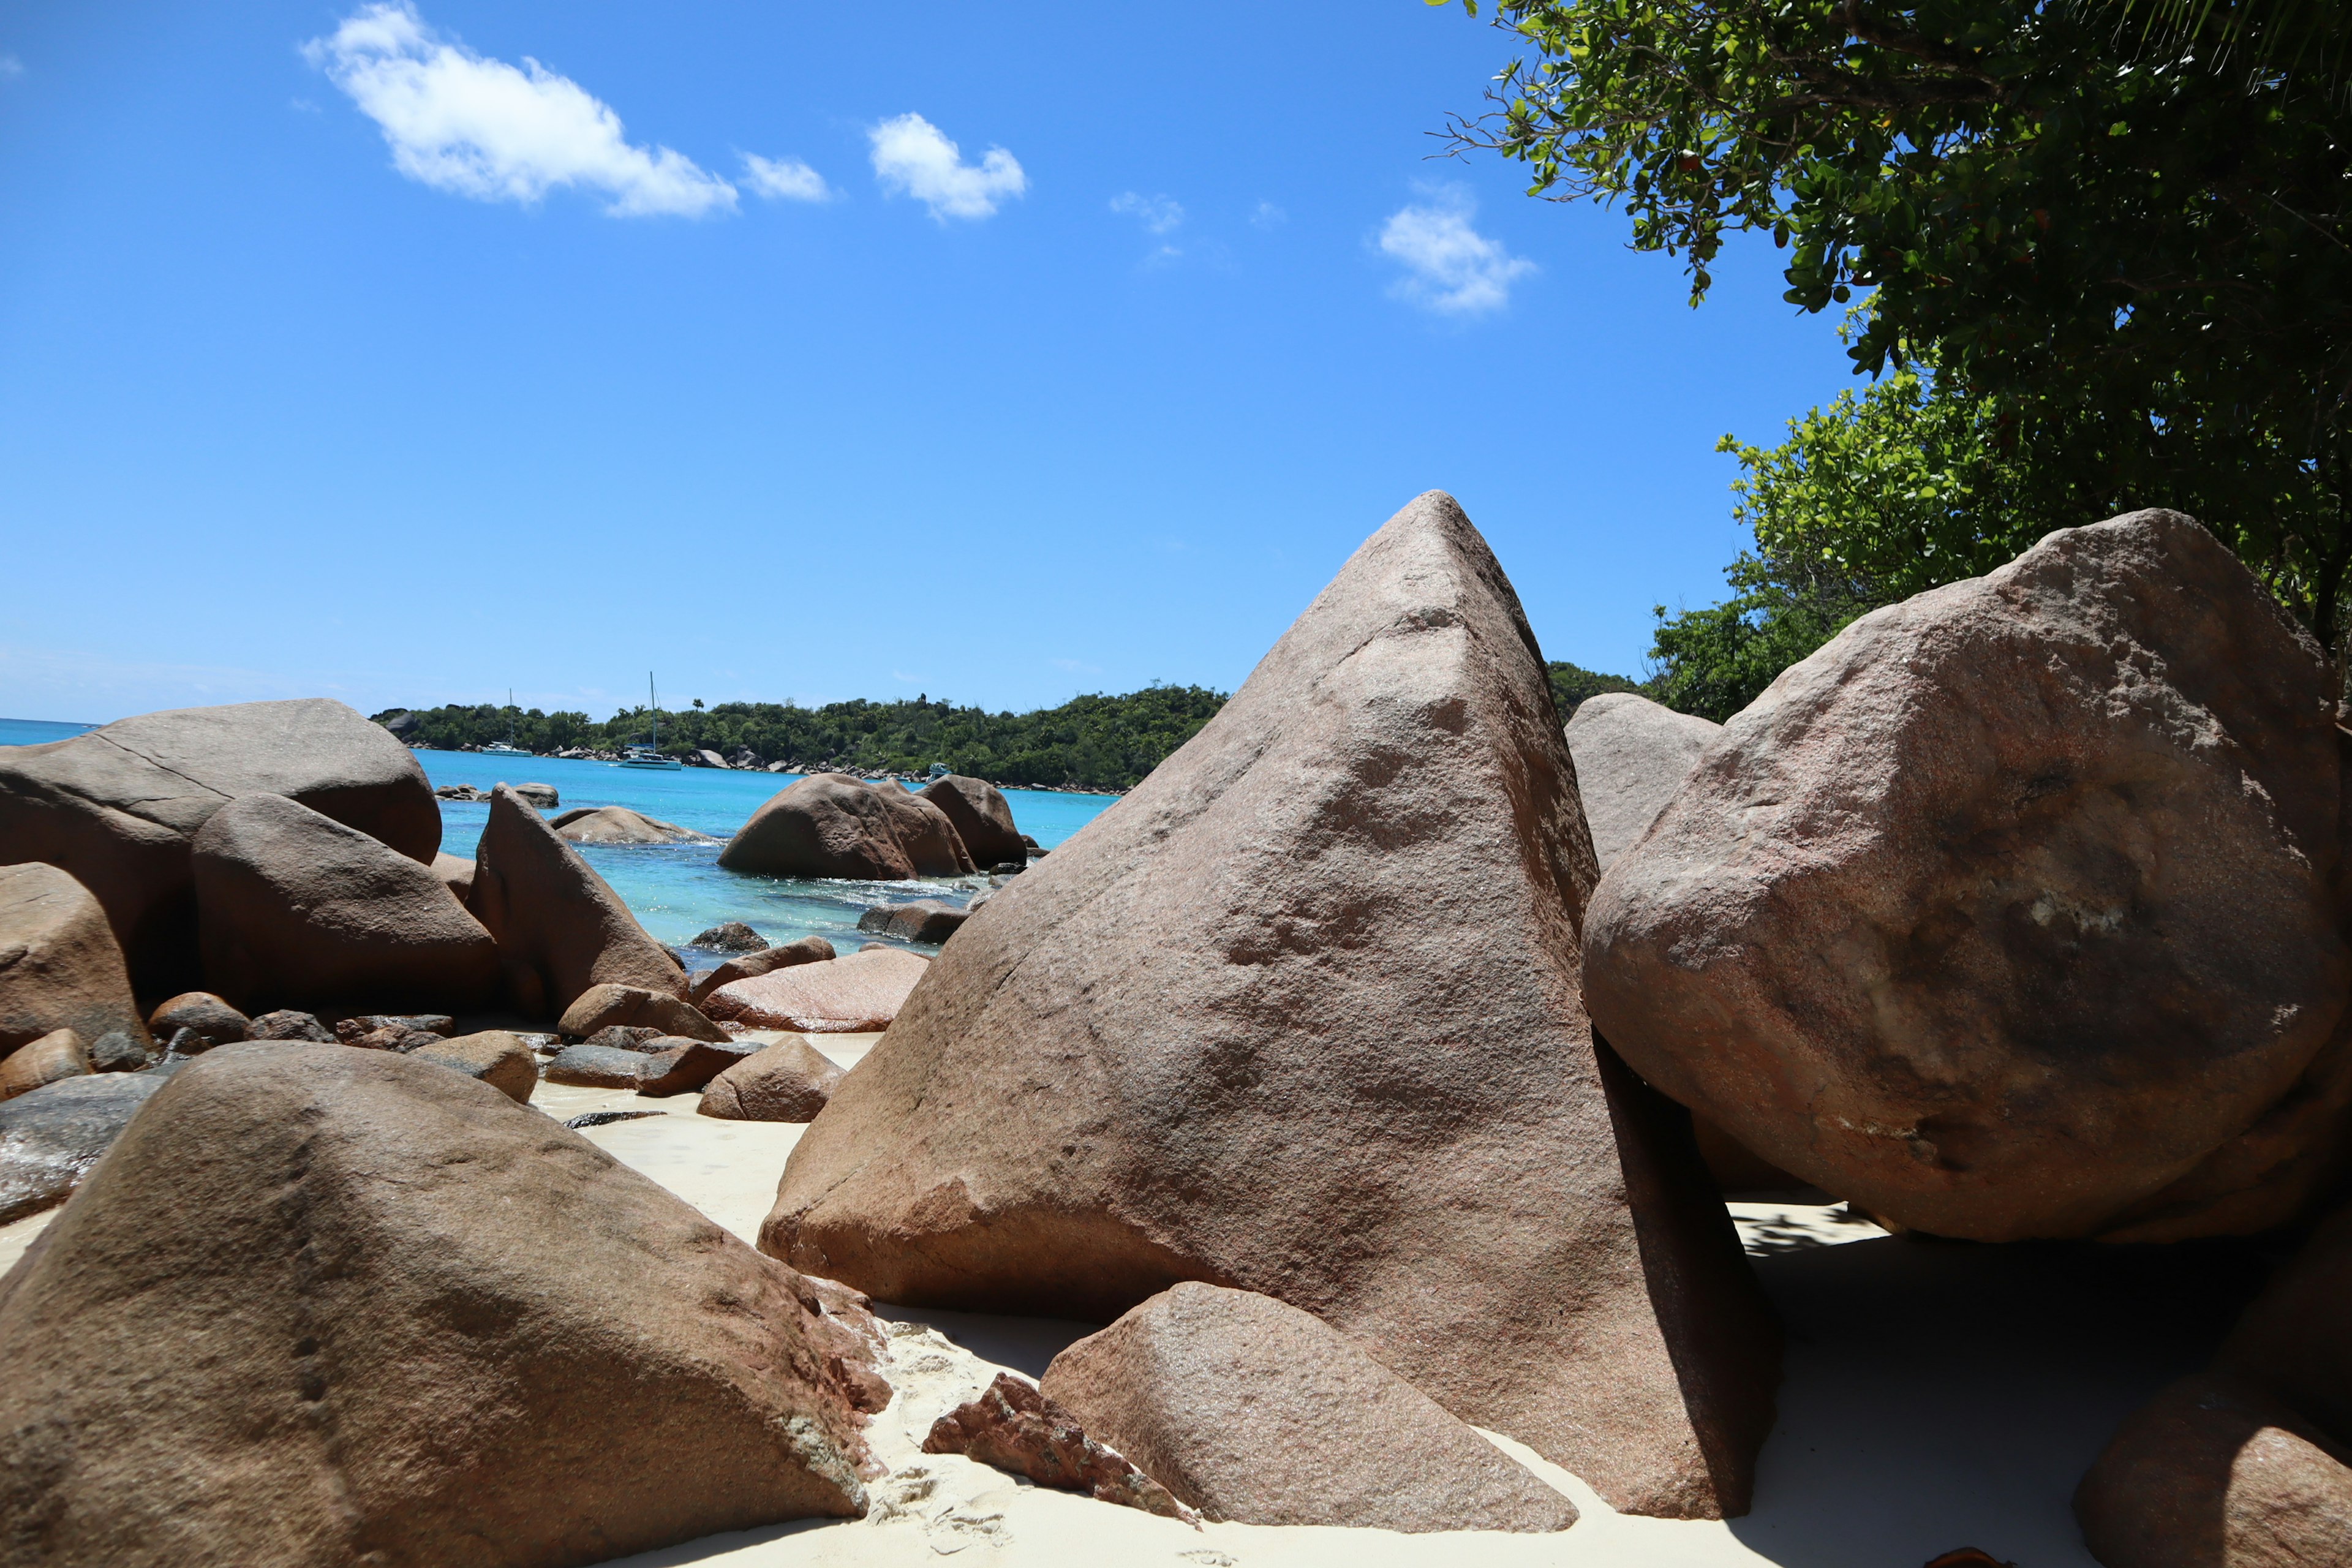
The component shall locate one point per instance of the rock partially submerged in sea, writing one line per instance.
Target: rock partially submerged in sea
(2013, 912)
(1251, 1410)
(1306, 1010)
(788, 1081)
(859, 994)
(294, 907)
(619, 825)
(117, 807)
(559, 927)
(1631, 756)
(925, 919)
(982, 816)
(830, 824)
(784, 956)
(1014, 1428)
(60, 965)
(501, 1382)
(729, 936)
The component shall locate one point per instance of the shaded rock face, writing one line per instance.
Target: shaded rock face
(456, 874)
(1300, 1015)
(2011, 912)
(452, 1367)
(57, 1055)
(116, 807)
(2249, 1463)
(559, 928)
(1251, 1410)
(830, 824)
(295, 907)
(801, 950)
(602, 1007)
(674, 1065)
(982, 818)
(51, 1136)
(619, 825)
(597, 1067)
(1014, 1428)
(60, 965)
(925, 919)
(1631, 756)
(856, 995)
(788, 1081)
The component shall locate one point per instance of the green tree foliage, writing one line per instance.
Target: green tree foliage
(2144, 263)
(1573, 683)
(1088, 742)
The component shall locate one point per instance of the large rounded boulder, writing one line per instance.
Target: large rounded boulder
(982, 818)
(1631, 757)
(1301, 1015)
(321, 1305)
(830, 824)
(295, 909)
(60, 965)
(2013, 912)
(117, 807)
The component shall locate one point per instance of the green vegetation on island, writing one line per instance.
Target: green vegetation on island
(1088, 742)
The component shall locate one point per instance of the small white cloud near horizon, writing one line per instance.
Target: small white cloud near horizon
(1158, 215)
(1450, 267)
(785, 179)
(481, 128)
(914, 158)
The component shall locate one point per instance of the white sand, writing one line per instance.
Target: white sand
(1937, 1394)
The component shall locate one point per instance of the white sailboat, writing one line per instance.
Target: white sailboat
(507, 748)
(650, 756)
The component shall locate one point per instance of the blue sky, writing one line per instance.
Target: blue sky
(801, 351)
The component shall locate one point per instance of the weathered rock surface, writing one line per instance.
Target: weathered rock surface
(597, 1067)
(982, 816)
(1631, 756)
(493, 1056)
(2249, 1463)
(732, 936)
(295, 907)
(116, 807)
(619, 825)
(830, 824)
(2011, 912)
(1301, 1013)
(788, 1081)
(559, 928)
(456, 874)
(674, 1065)
(60, 965)
(59, 1053)
(493, 1344)
(213, 1019)
(288, 1023)
(542, 795)
(855, 995)
(802, 950)
(1018, 1430)
(925, 919)
(1248, 1409)
(50, 1137)
(116, 1051)
(602, 1006)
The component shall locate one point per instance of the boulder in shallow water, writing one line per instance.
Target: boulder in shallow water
(830, 824)
(493, 1056)
(1301, 1013)
(57, 1055)
(982, 816)
(1251, 1410)
(2013, 910)
(1631, 756)
(51, 1136)
(559, 928)
(925, 919)
(856, 995)
(732, 936)
(60, 965)
(523, 1351)
(294, 907)
(1014, 1429)
(788, 1081)
(117, 807)
(602, 1006)
(785, 955)
(619, 825)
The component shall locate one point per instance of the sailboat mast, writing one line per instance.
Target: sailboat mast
(655, 703)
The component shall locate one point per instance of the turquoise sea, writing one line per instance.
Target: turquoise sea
(678, 889)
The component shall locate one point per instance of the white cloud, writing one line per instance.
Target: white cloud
(1268, 215)
(11, 68)
(1159, 215)
(912, 157)
(1450, 266)
(484, 128)
(785, 179)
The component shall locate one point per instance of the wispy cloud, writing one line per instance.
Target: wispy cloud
(1076, 667)
(484, 128)
(785, 179)
(1268, 215)
(913, 157)
(1450, 267)
(1158, 215)
(11, 68)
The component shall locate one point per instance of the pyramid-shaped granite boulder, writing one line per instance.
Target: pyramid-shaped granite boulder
(1301, 1015)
